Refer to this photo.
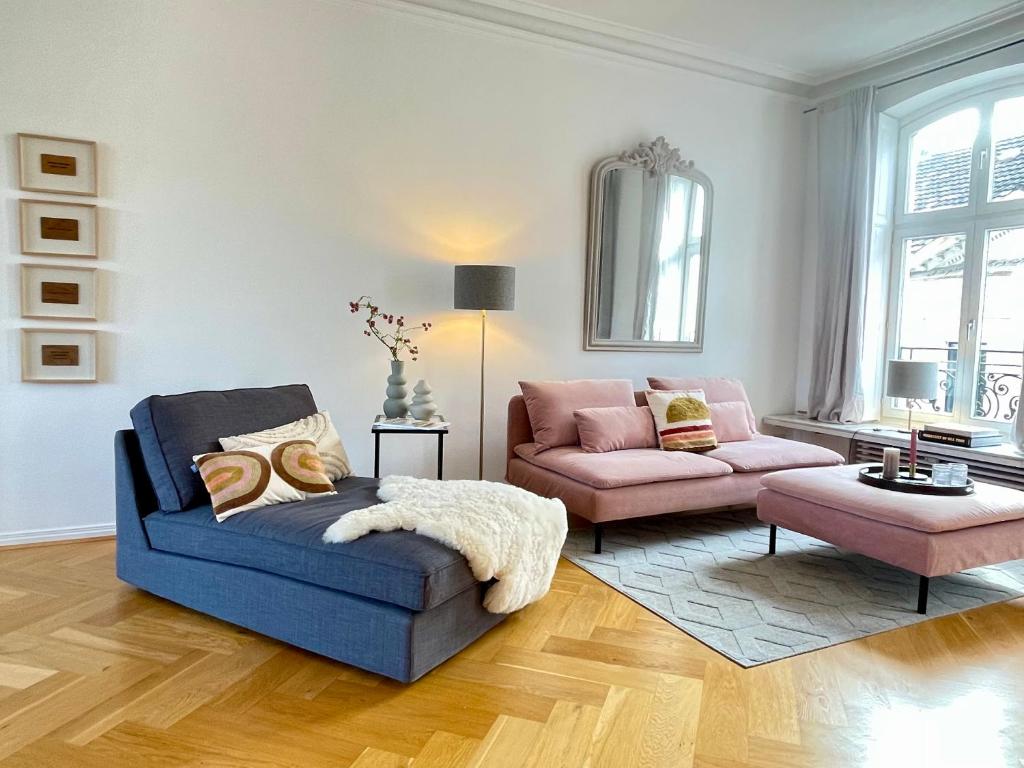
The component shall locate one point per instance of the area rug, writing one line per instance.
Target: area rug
(711, 576)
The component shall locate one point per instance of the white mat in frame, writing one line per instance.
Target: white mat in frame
(58, 355)
(58, 292)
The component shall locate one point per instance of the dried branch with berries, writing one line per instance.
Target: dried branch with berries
(391, 331)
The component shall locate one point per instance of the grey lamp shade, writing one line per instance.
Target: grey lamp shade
(912, 380)
(485, 286)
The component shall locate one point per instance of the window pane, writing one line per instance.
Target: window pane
(940, 163)
(933, 278)
(1007, 182)
(1001, 336)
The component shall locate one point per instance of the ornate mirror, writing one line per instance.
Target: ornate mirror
(647, 261)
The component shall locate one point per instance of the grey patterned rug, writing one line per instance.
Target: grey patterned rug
(711, 576)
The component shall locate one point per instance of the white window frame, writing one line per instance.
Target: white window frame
(974, 220)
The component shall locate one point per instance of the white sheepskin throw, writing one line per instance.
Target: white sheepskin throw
(506, 533)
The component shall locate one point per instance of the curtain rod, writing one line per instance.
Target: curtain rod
(940, 67)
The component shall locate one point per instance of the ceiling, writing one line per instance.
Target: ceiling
(806, 41)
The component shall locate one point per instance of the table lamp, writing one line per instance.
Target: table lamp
(483, 287)
(912, 380)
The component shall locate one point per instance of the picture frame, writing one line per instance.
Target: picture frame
(58, 293)
(51, 228)
(58, 355)
(55, 164)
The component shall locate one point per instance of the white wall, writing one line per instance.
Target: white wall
(262, 163)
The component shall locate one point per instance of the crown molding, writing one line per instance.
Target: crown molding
(978, 36)
(547, 24)
(542, 23)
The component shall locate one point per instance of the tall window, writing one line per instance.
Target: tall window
(957, 290)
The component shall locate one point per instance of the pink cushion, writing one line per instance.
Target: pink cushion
(600, 504)
(716, 390)
(550, 405)
(634, 466)
(838, 488)
(767, 454)
(615, 429)
(729, 420)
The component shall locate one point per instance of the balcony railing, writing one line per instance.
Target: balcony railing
(996, 390)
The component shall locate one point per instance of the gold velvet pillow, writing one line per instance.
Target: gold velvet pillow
(262, 475)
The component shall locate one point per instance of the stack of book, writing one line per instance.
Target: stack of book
(961, 435)
(410, 423)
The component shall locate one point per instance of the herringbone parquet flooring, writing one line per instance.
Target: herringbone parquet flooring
(94, 673)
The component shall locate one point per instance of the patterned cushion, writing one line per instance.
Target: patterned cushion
(262, 475)
(683, 420)
(317, 428)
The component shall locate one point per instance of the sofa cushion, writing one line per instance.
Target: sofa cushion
(767, 454)
(174, 428)
(551, 405)
(398, 567)
(317, 428)
(262, 476)
(615, 429)
(838, 488)
(716, 390)
(729, 420)
(683, 420)
(635, 466)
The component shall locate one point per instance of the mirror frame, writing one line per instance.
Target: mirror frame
(661, 158)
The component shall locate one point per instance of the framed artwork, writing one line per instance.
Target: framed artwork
(58, 355)
(52, 164)
(58, 229)
(58, 293)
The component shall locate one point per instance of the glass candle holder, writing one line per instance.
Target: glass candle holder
(942, 474)
(958, 474)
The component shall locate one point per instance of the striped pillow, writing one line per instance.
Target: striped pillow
(683, 420)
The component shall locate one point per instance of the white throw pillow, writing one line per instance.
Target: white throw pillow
(317, 428)
(262, 475)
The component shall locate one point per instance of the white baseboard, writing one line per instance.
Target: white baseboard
(40, 535)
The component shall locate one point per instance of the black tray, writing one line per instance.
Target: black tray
(920, 483)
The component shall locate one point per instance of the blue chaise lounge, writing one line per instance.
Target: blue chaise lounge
(393, 603)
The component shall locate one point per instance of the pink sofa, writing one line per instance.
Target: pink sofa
(639, 482)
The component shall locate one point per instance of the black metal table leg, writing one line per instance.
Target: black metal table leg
(597, 538)
(771, 539)
(922, 595)
(376, 454)
(440, 454)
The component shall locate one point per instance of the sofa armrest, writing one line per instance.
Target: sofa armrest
(518, 429)
(134, 498)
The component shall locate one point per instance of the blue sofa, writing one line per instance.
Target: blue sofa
(393, 603)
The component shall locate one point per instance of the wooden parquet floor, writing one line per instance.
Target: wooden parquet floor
(95, 673)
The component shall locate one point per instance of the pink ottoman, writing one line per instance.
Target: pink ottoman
(929, 535)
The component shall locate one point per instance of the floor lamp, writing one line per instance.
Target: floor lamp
(483, 287)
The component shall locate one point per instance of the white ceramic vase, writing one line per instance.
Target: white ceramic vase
(423, 405)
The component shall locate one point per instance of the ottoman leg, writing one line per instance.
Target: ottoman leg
(597, 538)
(922, 595)
(771, 539)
